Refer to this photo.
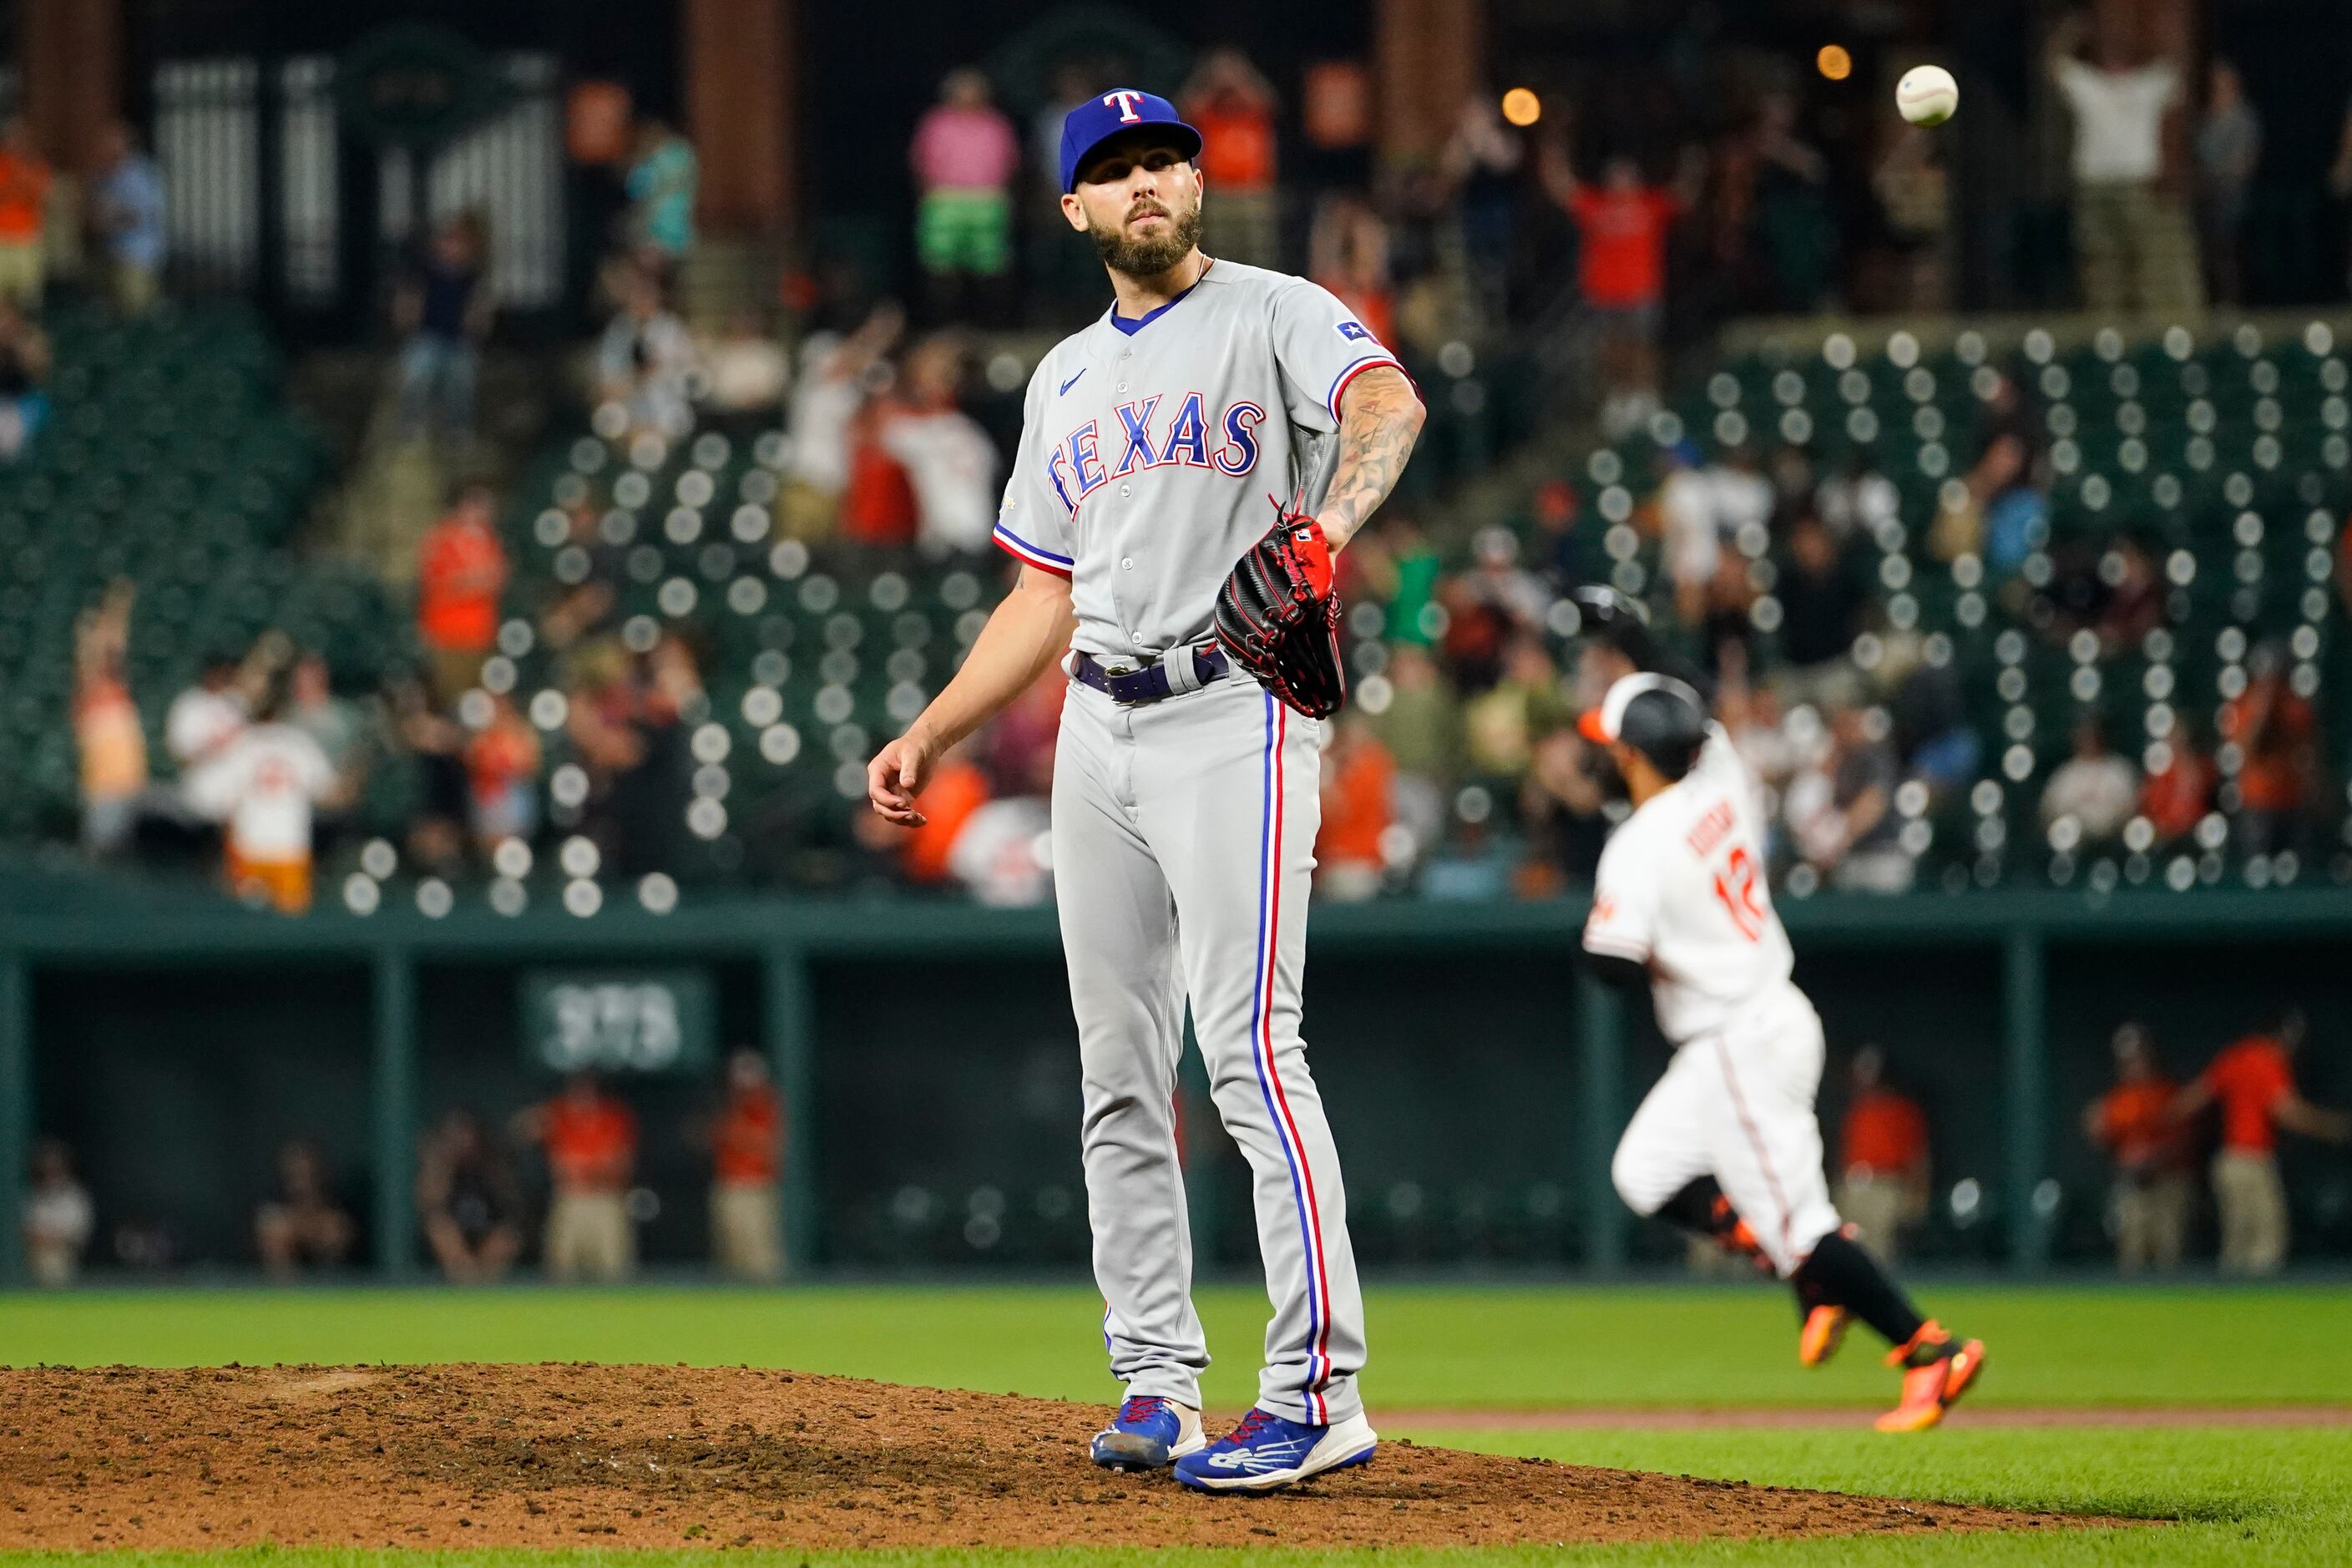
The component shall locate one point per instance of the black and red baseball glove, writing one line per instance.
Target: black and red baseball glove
(1278, 618)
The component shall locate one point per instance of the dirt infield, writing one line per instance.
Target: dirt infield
(561, 1455)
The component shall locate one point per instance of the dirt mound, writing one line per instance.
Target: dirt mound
(551, 1455)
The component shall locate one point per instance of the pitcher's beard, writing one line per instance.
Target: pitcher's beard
(1149, 257)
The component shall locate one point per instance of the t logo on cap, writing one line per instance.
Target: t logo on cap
(1124, 99)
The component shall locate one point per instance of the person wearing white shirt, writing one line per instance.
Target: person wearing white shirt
(265, 786)
(201, 723)
(58, 1218)
(2132, 242)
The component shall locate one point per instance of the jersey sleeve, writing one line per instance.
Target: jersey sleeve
(1320, 347)
(1033, 520)
(1624, 919)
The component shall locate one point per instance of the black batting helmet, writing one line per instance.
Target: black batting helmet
(1657, 715)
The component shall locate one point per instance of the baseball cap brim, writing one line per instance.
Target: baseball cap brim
(1175, 132)
(1594, 727)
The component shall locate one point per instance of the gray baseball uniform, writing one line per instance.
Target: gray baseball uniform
(1184, 830)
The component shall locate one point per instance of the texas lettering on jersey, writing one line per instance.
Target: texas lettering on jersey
(1079, 465)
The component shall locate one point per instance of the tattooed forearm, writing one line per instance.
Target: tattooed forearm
(1379, 419)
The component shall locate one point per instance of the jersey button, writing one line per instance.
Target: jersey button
(1127, 490)
(1122, 386)
(1126, 565)
(1138, 637)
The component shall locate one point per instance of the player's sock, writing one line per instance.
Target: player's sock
(1844, 1275)
(1694, 1208)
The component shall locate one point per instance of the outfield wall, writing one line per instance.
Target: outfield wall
(1475, 1079)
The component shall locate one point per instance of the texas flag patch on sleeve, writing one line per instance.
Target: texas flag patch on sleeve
(1355, 332)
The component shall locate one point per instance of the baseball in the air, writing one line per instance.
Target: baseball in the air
(1928, 94)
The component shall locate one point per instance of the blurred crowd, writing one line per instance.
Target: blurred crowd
(559, 1183)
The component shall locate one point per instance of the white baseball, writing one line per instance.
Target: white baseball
(1928, 94)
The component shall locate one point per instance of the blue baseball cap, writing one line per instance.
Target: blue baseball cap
(1100, 119)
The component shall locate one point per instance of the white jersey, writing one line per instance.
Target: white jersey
(1149, 448)
(197, 732)
(952, 465)
(264, 785)
(1682, 889)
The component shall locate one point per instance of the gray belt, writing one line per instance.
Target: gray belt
(1184, 669)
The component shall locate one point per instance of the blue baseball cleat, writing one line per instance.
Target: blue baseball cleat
(1147, 1434)
(1266, 1452)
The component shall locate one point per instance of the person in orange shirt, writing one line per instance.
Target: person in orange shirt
(461, 571)
(2252, 1081)
(747, 1147)
(591, 1138)
(1357, 775)
(2275, 729)
(1233, 105)
(2134, 1122)
(1622, 226)
(25, 181)
(106, 726)
(1881, 1158)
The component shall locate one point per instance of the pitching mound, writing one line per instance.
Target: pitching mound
(553, 1454)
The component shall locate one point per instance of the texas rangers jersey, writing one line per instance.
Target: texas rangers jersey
(1149, 448)
(1681, 888)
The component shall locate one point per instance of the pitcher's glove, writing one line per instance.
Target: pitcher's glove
(1278, 619)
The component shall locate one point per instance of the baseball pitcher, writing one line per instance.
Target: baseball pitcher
(1728, 1143)
(1196, 622)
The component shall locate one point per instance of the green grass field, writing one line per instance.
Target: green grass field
(2271, 1494)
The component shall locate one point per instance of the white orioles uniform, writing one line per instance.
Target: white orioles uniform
(1681, 890)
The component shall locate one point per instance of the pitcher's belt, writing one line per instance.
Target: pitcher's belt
(1184, 669)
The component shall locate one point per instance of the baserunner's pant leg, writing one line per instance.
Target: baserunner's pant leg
(1229, 782)
(1118, 940)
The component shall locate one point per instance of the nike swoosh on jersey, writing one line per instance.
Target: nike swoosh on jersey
(1070, 383)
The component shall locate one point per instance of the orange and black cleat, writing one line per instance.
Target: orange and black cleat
(1823, 1331)
(1938, 1370)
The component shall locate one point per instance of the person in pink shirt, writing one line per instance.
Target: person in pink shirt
(965, 155)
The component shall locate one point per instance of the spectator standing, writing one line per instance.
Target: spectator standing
(1479, 166)
(443, 313)
(2276, 732)
(2096, 788)
(127, 214)
(1842, 812)
(2133, 1121)
(107, 732)
(2252, 1081)
(1622, 226)
(312, 707)
(461, 572)
(467, 1201)
(1821, 604)
(57, 1219)
(746, 1210)
(662, 183)
(1502, 724)
(25, 180)
(1350, 858)
(1349, 255)
(835, 374)
(1883, 1166)
(265, 787)
(2178, 789)
(645, 358)
(204, 719)
(502, 761)
(2134, 249)
(24, 366)
(2229, 150)
(591, 1138)
(965, 155)
(1422, 732)
(1561, 808)
(1233, 106)
(949, 461)
(301, 1227)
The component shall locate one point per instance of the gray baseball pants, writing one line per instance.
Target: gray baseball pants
(1183, 845)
